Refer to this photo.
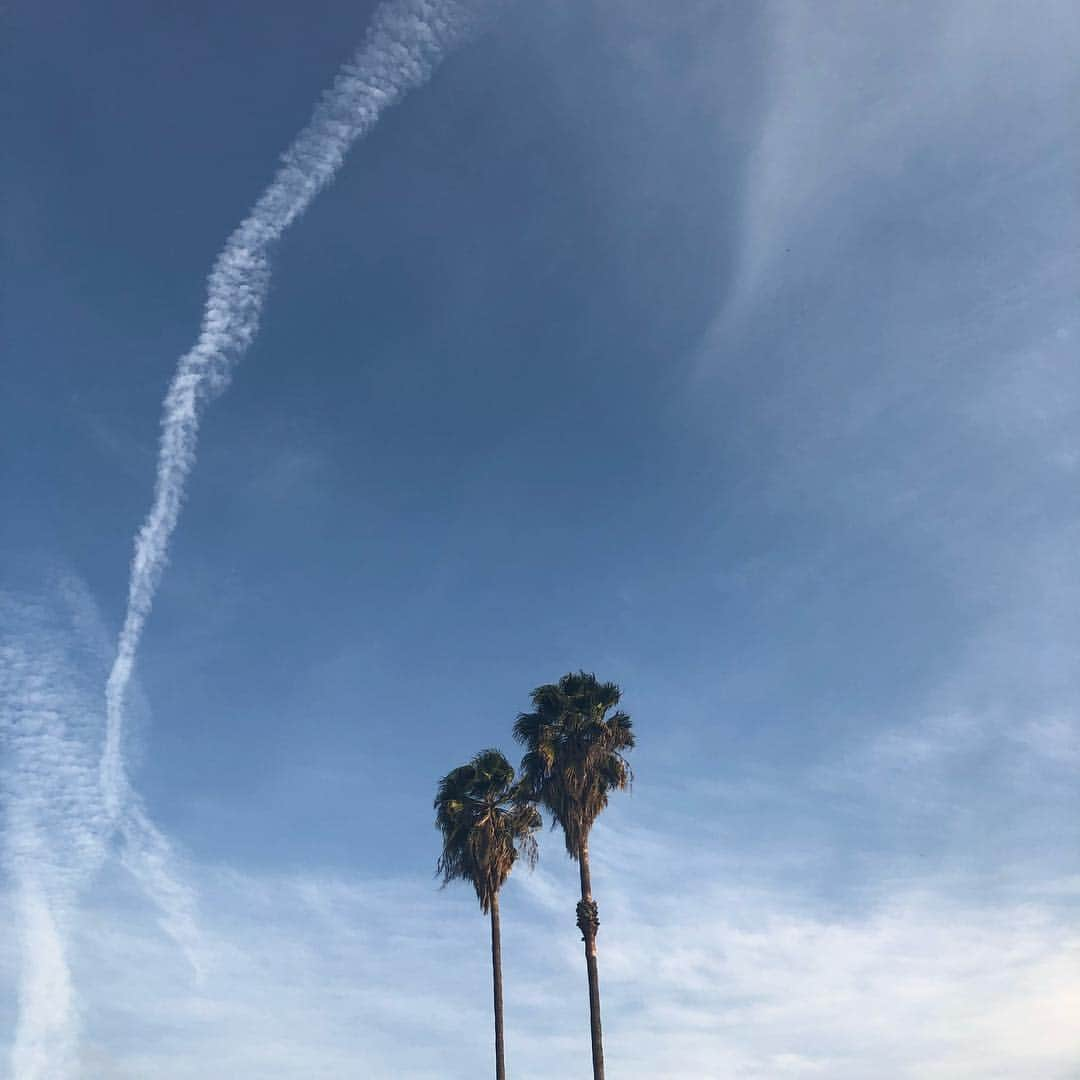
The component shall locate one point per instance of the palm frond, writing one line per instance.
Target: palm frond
(574, 751)
(486, 822)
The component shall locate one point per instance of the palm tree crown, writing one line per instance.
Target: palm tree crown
(574, 751)
(485, 825)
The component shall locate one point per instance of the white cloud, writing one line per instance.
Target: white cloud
(858, 92)
(54, 829)
(721, 956)
(702, 976)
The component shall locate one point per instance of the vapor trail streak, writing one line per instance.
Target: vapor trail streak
(404, 43)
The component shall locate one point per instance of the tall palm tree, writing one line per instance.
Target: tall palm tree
(573, 759)
(485, 827)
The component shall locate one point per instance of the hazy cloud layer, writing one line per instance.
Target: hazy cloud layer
(704, 975)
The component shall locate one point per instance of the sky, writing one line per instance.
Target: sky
(726, 350)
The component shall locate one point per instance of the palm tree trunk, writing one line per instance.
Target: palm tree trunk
(496, 979)
(588, 922)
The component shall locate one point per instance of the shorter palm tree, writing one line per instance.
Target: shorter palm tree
(485, 827)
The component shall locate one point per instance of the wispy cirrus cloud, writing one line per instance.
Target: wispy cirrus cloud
(850, 125)
(55, 825)
(722, 954)
(706, 971)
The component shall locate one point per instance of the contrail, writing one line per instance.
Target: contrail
(405, 42)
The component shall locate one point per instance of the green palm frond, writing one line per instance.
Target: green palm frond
(574, 751)
(486, 824)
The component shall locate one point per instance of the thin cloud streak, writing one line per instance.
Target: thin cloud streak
(55, 829)
(405, 42)
(46, 1036)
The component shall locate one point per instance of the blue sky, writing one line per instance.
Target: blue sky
(726, 350)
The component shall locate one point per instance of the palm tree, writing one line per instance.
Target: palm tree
(485, 827)
(573, 759)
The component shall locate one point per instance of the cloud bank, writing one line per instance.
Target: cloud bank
(729, 975)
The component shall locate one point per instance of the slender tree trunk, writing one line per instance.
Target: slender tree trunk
(496, 979)
(588, 922)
